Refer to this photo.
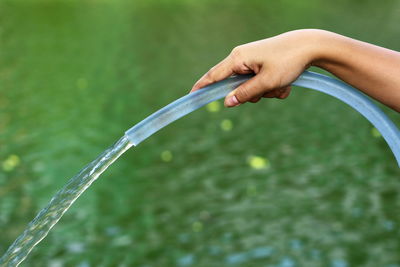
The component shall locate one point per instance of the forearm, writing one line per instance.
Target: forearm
(371, 69)
(279, 60)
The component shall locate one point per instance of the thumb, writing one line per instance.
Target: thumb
(245, 92)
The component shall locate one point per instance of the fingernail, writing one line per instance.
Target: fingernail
(192, 89)
(232, 101)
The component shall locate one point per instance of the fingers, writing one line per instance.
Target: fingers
(285, 93)
(219, 72)
(280, 93)
(255, 99)
(249, 90)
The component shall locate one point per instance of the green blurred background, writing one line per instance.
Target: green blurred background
(301, 182)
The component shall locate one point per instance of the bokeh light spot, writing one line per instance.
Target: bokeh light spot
(213, 106)
(258, 163)
(166, 156)
(375, 133)
(226, 125)
(11, 162)
(197, 226)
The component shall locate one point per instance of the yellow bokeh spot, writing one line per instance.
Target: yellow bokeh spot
(166, 156)
(213, 106)
(375, 133)
(197, 227)
(82, 83)
(226, 125)
(258, 163)
(11, 162)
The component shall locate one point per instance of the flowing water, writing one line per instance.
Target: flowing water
(40, 226)
(69, 68)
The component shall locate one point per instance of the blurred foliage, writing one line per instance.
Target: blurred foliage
(301, 182)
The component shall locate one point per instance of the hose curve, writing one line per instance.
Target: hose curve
(311, 80)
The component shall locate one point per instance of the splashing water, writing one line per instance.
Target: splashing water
(40, 226)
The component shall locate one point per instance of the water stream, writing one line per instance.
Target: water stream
(40, 226)
(59, 204)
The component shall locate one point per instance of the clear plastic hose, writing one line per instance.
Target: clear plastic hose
(311, 80)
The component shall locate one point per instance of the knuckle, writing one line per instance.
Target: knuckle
(243, 94)
(212, 69)
(281, 96)
(209, 77)
(255, 99)
(284, 95)
(270, 82)
(236, 52)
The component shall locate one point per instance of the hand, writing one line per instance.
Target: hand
(279, 60)
(276, 61)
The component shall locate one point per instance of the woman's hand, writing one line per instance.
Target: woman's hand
(276, 61)
(279, 60)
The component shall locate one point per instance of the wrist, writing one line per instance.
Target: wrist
(328, 49)
(312, 45)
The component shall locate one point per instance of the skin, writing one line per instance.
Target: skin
(279, 60)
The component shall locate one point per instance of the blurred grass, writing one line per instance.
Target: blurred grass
(75, 74)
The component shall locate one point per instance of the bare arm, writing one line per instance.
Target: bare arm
(372, 69)
(279, 60)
